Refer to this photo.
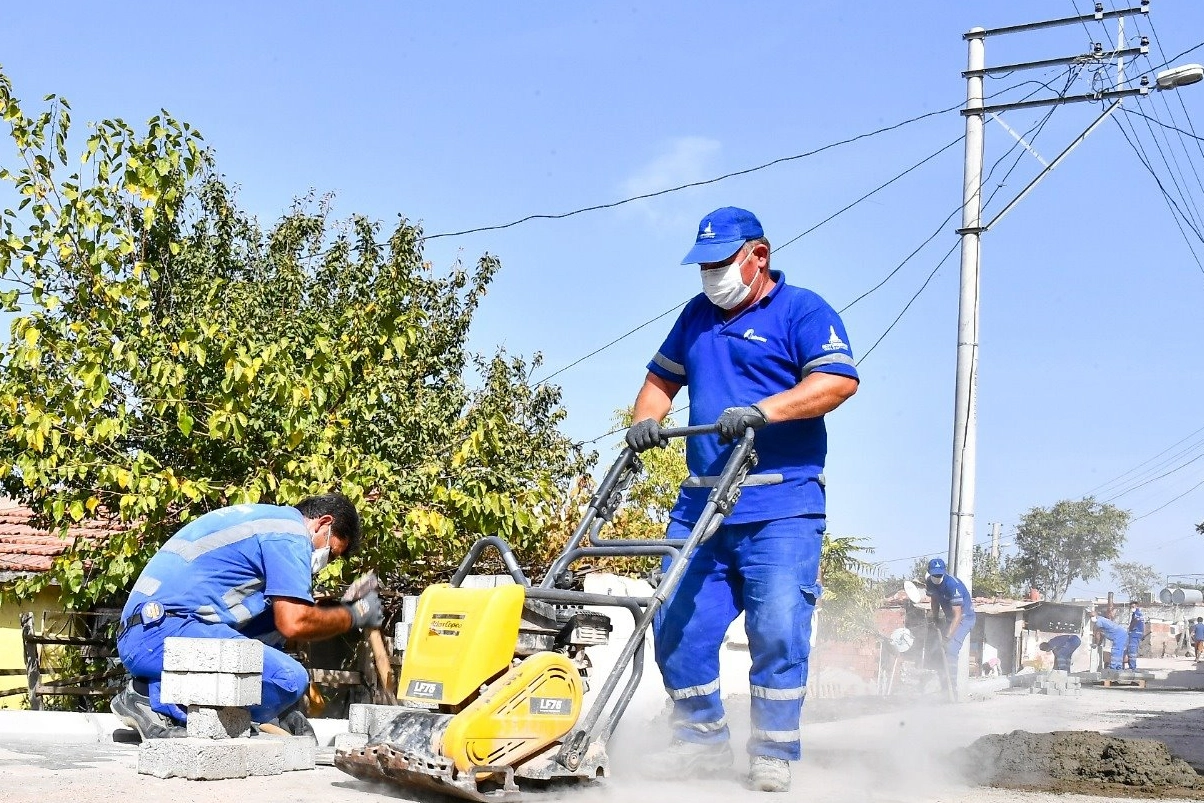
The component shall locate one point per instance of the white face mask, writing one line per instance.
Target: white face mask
(320, 557)
(725, 287)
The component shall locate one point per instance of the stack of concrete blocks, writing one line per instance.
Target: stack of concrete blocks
(1126, 675)
(1057, 682)
(215, 680)
(365, 721)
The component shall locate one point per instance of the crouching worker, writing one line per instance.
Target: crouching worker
(1063, 648)
(239, 572)
(1105, 628)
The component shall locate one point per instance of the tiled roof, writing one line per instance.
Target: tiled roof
(25, 548)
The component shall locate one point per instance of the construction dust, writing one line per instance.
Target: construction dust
(1081, 762)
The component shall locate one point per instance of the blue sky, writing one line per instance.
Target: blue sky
(462, 116)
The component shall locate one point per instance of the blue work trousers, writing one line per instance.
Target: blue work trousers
(767, 570)
(1063, 657)
(1132, 646)
(141, 651)
(1118, 652)
(954, 641)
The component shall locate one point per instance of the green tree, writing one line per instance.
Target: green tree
(170, 356)
(1134, 578)
(850, 596)
(993, 577)
(1067, 542)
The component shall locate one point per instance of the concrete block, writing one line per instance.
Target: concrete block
(371, 719)
(298, 752)
(211, 688)
(350, 741)
(209, 722)
(209, 759)
(264, 756)
(234, 655)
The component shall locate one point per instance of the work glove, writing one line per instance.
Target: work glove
(643, 435)
(366, 611)
(734, 420)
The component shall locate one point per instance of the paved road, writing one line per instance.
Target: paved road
(899, 755)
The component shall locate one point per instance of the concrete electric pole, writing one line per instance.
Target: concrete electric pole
(965, 413)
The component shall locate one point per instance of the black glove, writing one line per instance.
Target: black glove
(734, 420)
(644, 435)
(366, 611)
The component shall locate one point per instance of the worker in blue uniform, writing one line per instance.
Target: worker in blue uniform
(756, 353)
(950, 597)
(239, 572)
(1136, 634)
(1063, 648)
(1113, 632)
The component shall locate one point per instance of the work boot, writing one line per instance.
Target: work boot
(684, 759)
(768, 774)
(135, 711)
(293, 721)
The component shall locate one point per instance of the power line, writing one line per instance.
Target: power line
(1142, 463)
(1164, 125)
(1175, 499)
(1175, 213)
(704, 182)
(909, 303)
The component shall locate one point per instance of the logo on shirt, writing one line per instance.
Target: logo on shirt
(834, 342)
(706, 233)
(748, 335)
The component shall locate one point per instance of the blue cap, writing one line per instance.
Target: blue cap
(936, 567)
(721, 233)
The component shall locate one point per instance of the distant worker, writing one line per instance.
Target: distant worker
(1063, 648)
(1105, 628)
(1197, 636)
(950, 597)
(1136, 634)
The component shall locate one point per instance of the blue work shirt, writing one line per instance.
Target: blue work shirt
(1137, 623)
(224, 566)
(765, 349)
(1114, 632)
(949, 593)
(1197, 631)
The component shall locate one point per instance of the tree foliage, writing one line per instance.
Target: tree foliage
(1135, 579)
(994, 577)
(169, 356)
(850, 595)
(1067, 542)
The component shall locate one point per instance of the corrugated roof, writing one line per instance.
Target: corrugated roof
(26, 548)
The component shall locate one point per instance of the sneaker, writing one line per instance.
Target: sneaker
(135, 711)
(684, 759)
(768, 774)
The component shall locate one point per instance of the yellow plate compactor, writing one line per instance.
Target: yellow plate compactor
(492, 680)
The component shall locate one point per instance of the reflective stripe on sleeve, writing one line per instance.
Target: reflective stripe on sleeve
(675, 368)
(827, 359)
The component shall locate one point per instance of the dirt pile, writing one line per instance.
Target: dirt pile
(1079, 761)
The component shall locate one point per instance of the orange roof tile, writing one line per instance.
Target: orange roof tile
(26, 548)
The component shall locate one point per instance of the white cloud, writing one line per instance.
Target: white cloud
(684, 160)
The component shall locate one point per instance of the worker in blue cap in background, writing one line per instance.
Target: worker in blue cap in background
(950, 596)
(1063, 648)
(1136, 634)
(1105, 628)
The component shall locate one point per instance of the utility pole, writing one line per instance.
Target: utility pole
(995, 528)
(965, 408)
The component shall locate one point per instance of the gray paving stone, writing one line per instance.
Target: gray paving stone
(224, 722)
(236, 655)
(209, 759)
(211, 688)
(371, 719)
(298, 752)
(350, 741)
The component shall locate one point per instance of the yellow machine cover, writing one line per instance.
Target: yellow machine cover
(460, 638)
(527, 709)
